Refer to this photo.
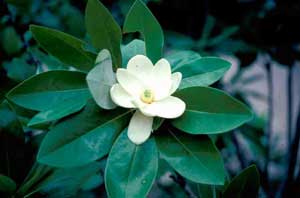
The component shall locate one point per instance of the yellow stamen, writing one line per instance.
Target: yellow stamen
(147, 96)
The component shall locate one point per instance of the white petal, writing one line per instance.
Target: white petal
(161, 79)
(120, 97)
(140, 127)
(176, 79)
(170, 107)
(140, 66)
(129, 82)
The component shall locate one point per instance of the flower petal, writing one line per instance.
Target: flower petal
(120, 97)
(161, 79)
(140, 66)
(176, 79)
(129, 82)
(140, 127)
(170, 107)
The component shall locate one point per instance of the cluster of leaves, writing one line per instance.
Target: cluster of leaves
(83, 136)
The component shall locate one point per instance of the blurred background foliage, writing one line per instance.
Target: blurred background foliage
(249, 33)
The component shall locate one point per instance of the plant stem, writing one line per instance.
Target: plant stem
(238, 150)
(182, 183)
(268, 129)
(289, 104)
(292, 159)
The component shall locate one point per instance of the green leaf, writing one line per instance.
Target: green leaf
(133, 48)
(61, 110)
(18, 69)
(9, 121)
(47, 62)
(194, 157)
(180, 58)
(10, 41)
(93, 182)
(246, 184)
(7, 184)
(45, 91)
(131, 169)
(140, 19)
(104, 31)
(100, 79)
(64, 47)
(210, 111)
(204, 190)
(83, 138)
(202, 71)
(67, 182)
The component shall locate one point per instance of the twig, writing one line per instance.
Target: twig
(182, 183)
(289, 104)
(239, 154)
(292, 160)
(268, 130)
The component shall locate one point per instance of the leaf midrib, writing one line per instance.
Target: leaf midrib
(100, 126)
(205, 73)
(192, 154)
(69, 43)
(130, 169)
(216, 113)
(50, 92)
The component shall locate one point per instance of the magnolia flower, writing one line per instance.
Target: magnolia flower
(148, 89)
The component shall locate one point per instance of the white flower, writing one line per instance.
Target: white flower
(147, 88)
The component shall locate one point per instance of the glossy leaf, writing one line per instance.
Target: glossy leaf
(131, 169)
(140, 19)
(61, 110)
(46, 90)
(100, 79)
(7, 184)
(246, 184)
(194, 157)
(104, 31)
(133, 48)
(68, 181)
(202, 71)
(210, 111)
(83, 138)
(204, 190)
(180, 58)
(66, 48)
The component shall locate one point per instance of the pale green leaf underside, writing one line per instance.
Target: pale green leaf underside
(100, 79)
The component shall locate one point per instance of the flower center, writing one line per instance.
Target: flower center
(147, 96)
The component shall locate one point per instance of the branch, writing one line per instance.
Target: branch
(289, 104)
(292, 159)
(182, 183)
(239, 153)
(268, 129)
